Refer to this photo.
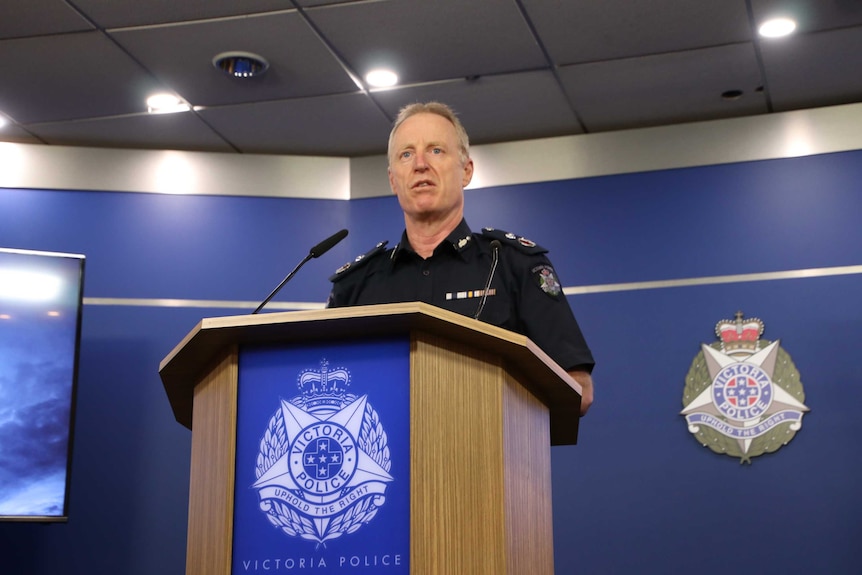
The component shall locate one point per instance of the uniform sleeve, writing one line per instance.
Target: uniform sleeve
(348, 279)
(345, 289)
(546, 316)
(337, 297)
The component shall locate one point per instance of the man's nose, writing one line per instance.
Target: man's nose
(419, 162)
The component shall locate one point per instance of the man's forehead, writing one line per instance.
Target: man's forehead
(425, 126)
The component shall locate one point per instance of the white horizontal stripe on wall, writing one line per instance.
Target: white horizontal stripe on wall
(577, 290)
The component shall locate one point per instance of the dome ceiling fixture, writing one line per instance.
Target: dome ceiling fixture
(381, 78)
(241, 64)
(165, 103)
(777, 28)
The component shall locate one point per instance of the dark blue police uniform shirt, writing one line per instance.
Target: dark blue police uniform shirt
(525, 296)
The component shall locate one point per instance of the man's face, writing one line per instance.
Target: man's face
(426, 171)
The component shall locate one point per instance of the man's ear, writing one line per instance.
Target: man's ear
(468, 173)
(391, 180)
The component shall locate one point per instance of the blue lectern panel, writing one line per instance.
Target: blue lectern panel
(323, 459)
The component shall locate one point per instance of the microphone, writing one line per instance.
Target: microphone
(326, 245)
(495, 257)
(315, 252)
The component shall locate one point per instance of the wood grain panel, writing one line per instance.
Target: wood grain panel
(529, 527)
(210, 535)
(457, 523)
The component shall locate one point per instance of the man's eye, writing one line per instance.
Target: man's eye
(406, 154)
(437, 151)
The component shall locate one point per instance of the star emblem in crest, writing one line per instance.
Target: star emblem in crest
(297, 421)
(776, 400)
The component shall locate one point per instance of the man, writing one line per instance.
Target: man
(441, 262)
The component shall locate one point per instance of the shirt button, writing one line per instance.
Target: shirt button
(426, 272)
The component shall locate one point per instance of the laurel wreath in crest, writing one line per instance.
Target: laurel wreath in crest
(273, 445)
(785, 376)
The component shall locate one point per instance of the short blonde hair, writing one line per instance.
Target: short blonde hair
(432, 108)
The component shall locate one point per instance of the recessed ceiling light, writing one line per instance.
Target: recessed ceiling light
(3, 121)
(166, 104)
(381, 78)
(241, 64)
(777, 27)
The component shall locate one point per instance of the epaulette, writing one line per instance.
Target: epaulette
(519, 242)
(358, 262)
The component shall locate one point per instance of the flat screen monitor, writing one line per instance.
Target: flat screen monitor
(41, 299)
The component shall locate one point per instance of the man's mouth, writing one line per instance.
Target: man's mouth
(422, 184)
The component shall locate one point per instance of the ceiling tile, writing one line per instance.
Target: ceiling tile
(666, 89)
(37, 17)
(182, 55)
(496, 108)
(344, 125)
(311, 3)
(123, 13)
(17, 135)
(819, 69)
(811, 15)
(594, 30)
(69, 76)
(184, 131)
(426, 41)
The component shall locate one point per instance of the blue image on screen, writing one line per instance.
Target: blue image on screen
(40, 310)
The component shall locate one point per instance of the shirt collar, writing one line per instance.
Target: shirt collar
(460, 238)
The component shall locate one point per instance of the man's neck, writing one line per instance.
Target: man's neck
(426, 235)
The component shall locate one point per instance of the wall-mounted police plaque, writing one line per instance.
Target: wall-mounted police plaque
(322, 467)
(743, 396)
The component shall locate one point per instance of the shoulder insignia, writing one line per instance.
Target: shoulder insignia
(358, 262)
(519, 242)
(546, 278)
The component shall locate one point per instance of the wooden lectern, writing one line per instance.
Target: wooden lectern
(481, 505)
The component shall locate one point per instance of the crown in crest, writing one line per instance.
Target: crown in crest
(324, 388)
(739, 335)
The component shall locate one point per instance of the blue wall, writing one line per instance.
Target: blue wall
(637, 495)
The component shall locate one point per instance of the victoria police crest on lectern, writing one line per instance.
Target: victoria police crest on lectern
(743, 395)
(322, 463)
